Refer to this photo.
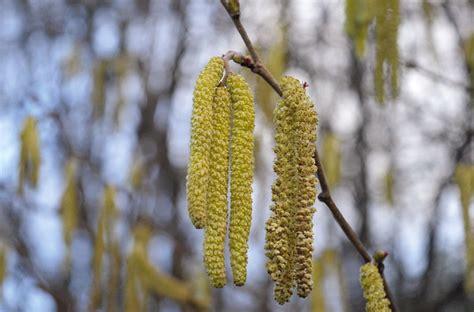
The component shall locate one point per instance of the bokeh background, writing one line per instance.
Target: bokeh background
(109, 84)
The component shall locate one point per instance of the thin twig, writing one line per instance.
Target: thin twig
(379, 257)
(257, 68)
(436, 77)
(253, 62)
(226, 58)
(325, 195)
(326, 198)
(243, 33)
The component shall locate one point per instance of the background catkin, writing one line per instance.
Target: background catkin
(216, 221)
(70, 202)
(305, 120)
(242, 164)
(30, 154)
(372, 286)
(201, 123)
(464, 178)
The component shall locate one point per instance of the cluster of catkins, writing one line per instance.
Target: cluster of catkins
(289, 230)
(222, 149)
(221, 133)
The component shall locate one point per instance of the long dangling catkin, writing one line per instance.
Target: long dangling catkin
(372, 286)
(201, 123)
(393, 24)
(279, 236)
(216, 220)
(30, 154)
(305, 121)
(69, 207)
(464, 178)
(380, 49)
(242, 163)
(289, 235)
(387, 20)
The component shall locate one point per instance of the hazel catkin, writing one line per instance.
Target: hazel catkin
(242, 164)
(216, 220)
(201, 123)
(30, 154)
(279, 236)
(305, 120)
(372, 286)
(289, 235)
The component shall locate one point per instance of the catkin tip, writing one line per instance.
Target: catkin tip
(373, 289)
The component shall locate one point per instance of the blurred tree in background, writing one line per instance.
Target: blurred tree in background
(95, 100)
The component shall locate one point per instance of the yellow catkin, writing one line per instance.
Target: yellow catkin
(3, 264)
(144, 278)
(201, 125)
(469, 55)
(100, 85)
(69, 209)
(359, 15)
(201, 289)
(115, 262)
(389, 181)
(216, 220)
(381, 50)
(69, 202)
(372, 286)
(427, 8)
(242, 165)
(132, 301)
(136, 175)
(102, 242)
(317, 298)
(393, 13)
(135, 295)
(30, 154)
(387, 23)
(305, 143)
(332, 261)
(358, 18)
(289, 237)
(464, 177)
(279, 238)
(331, 159)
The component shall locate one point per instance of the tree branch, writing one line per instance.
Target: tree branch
(437, 77)
(226, 58)
(326, 198)
(257, 67)
(253, 62)
(240, 28)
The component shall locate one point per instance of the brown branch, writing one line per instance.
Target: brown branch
(326, 198)
(253, 62)
(240, 28)
(258, 68)
(435, 76)
(226, 58)
(379, 257)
